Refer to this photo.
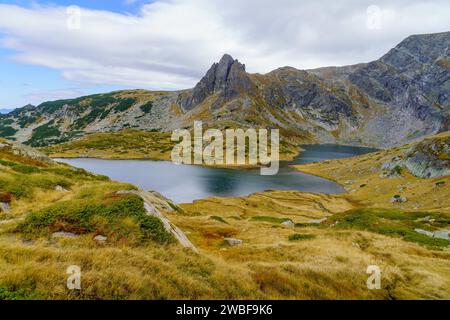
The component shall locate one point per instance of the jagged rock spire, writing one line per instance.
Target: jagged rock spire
(227, 77)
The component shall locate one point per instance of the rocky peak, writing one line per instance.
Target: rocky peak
(227, 77)
(418, 50)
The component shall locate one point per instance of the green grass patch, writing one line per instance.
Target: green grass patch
(7, 293)
(119, 217)
(43, 133)
(217, 218)
(7, 131)
(301, 236)
(147, 107)
(395, 223)
(124, 104)
(269, 219)
(18, 167)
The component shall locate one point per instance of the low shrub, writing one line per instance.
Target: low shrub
(300, 236)
(269, 219)
(217, 218)
(394, 223)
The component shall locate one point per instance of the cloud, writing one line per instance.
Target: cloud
(39, 96)
(171, 43)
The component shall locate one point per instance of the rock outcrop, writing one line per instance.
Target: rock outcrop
(428, 159)
(226, 78)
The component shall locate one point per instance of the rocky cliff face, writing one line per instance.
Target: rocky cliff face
(399, 98)
(429, 158)
(227, 79)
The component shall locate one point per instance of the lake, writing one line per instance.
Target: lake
(185, 183)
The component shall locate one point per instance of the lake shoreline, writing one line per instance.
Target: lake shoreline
(187, 183)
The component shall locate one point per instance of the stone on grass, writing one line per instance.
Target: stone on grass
(398, 199)
(60, 189)
(63, 234)
(233, 242)
(288, 223)
(317, 221)
(100, 238)
(4, 207)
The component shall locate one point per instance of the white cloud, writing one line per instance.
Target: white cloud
(170, 44)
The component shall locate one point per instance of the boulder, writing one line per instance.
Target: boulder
(100, 238)
(398, 199)
(63, 234)
(317, 221)
(4, 207)
(288, 223)
(233, 242)
(60, 189)
(427, 233)
(445, 234)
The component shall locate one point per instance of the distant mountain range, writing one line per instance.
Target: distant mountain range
(5, 111)
(400, 97)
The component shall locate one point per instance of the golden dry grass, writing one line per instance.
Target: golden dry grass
(361, 178)
(330, 263)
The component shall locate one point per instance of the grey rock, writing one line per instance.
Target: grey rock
(442, 234)
(228, 78)
(60, 189)
(288, 223)
(28, 242)
(427, 159)
(63, 234)
(4, 207)
(427, 233)
(100, 238)
(445, 234)
(317, 221)
(399, 199)
(233, 242)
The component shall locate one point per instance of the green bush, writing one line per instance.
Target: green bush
(43, 132)
(217, 218)
(7, 131)
(124, 104)
(147, 107)
(299, 236)
(394, 223)
(269, 219)
(22, 168)
(18, 294)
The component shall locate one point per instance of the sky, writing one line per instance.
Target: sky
(64, 49)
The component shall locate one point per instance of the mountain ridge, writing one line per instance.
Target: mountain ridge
(396, 99)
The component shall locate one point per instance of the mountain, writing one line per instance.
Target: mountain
(5, 111)
(396, 99)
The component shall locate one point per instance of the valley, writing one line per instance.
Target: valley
(365, 182)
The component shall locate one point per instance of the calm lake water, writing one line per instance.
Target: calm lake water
(184, 183)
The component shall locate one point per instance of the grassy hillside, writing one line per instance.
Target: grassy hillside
(327, 260)
(132, 144)
(289, 249)
(126, 144)
(376, 179)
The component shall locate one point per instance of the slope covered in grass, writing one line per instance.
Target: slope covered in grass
(125, 144)
(394, 177)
